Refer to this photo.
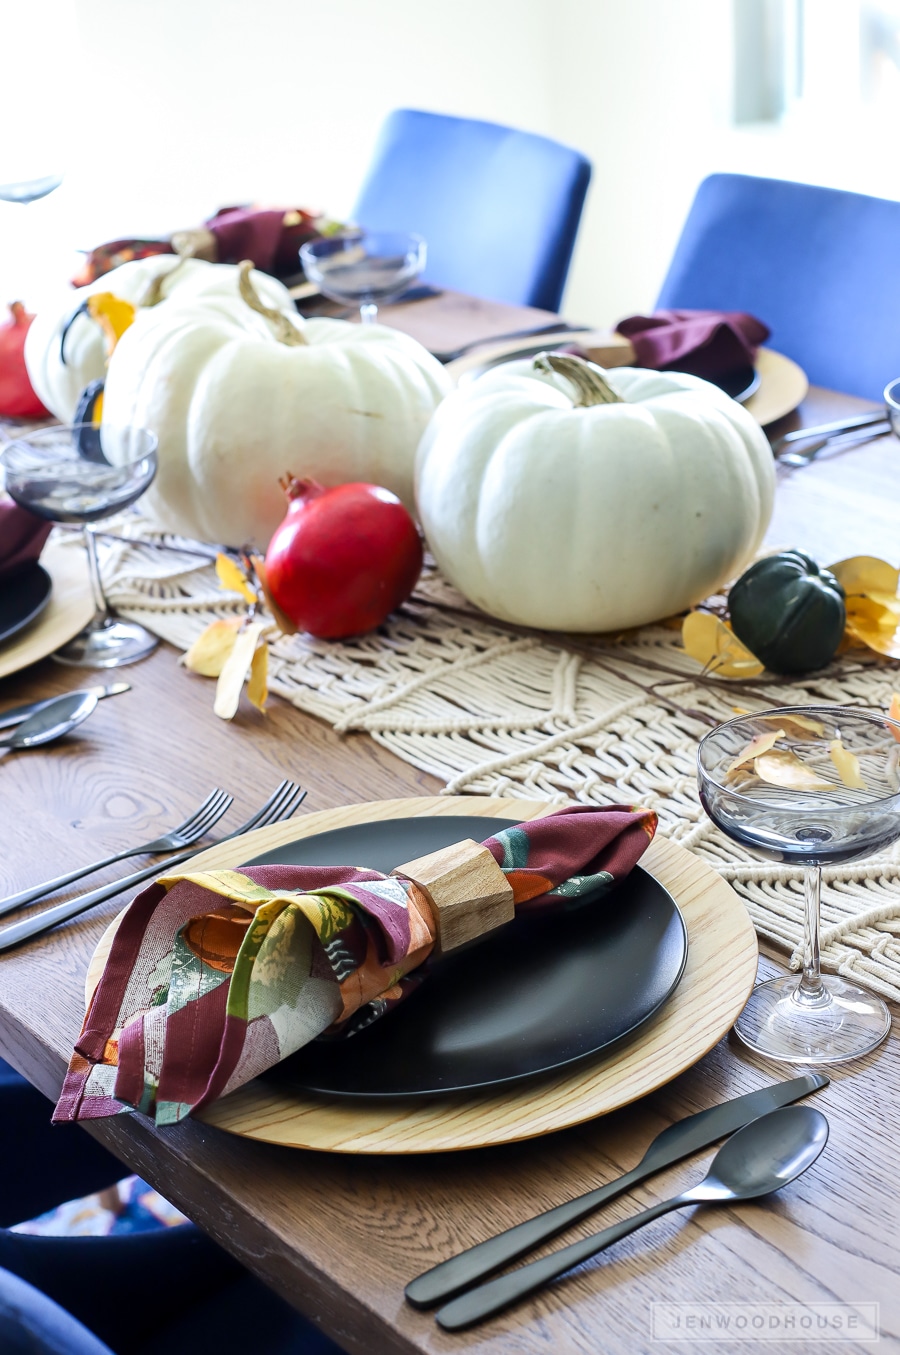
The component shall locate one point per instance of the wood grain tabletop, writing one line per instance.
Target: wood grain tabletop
(339, 1236)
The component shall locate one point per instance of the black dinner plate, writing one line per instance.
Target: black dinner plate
(542, 993)
(22, 599)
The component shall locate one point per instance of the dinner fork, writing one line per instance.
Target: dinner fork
(195, 826)
(281, 804)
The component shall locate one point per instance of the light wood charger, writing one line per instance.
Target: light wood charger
(720, 972)
(782, 384)
(69, 610)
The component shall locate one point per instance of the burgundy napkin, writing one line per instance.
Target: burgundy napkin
(22, 537)
(705, 343)
(271, 238)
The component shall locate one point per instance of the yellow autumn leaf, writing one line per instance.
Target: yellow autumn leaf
(874, 626)
(258, 684)
(761, 744)
(233, 578)
(797, 726)
(866, 574)
(209, 652)
(113, 315)
(894, 713)
(780, 767)
(237, 666)
(714, 645)
(847, 765)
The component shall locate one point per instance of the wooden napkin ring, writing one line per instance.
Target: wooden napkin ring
(467, 890)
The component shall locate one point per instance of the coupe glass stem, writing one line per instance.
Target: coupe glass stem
(368, 312)
(101, 615)
(811, 988)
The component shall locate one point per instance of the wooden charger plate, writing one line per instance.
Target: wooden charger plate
(782, 384)
(70, 608)
(720, 972)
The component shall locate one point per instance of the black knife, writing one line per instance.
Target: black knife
(16, 714)
(678, 1141)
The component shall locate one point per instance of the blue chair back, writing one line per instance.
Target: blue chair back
(819, 266)
(498, 208)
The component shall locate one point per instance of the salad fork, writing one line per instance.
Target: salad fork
(281, 804)
(184, 835)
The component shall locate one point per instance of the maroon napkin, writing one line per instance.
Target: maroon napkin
(271, 238)
(22, 537)
(705, 343)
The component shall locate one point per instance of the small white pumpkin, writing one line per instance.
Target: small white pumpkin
(555, 498)
(239, 394)
(59, 382)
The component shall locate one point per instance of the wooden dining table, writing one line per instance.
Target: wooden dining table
(339, 1236)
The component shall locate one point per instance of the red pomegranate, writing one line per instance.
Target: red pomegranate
(343, 558)
(17, 398)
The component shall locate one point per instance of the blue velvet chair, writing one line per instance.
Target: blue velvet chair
(499, 208)
(820, 267)
(170, 1291)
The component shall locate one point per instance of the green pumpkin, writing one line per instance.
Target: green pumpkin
(788, 612)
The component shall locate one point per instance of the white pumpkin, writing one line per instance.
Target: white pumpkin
(551, 511)
(59, 383)
(238, 398)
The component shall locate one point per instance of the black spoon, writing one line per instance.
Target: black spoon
(757, 1160)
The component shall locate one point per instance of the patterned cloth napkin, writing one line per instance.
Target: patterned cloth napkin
(706, 343)
(22, 537)
(214, 977)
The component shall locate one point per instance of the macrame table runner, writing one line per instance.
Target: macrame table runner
(493, 712)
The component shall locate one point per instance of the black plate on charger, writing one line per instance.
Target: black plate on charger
(543, 993)
(23, 597)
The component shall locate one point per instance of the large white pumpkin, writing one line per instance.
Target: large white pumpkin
(554, 512)
(59, 383)
(238, 399)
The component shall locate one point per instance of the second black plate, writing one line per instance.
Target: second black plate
(542, 993)
(22, 599)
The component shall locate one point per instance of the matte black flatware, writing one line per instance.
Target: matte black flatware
(756, 1161)
(674, 1143)
(281, 804)
(53, 723)
(186, 834)
(16, 714)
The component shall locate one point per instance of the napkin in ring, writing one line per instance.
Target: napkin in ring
(213, 977)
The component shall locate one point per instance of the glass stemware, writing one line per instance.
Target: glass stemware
(66, 474)
(836, 808)
(363, 268)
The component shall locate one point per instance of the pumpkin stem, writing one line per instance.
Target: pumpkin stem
(154, 292)
(592, 386)
(285, 332)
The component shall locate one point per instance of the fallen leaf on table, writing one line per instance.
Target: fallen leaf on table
(209, 652)
(233, 578)
(258, 684)
(873, 607)
(894, 713)
(874, 624)
(780, 767)
(237, 666)
(714, 645)
(847, 765)
(866, 574)
(761, 744)
(798, 726)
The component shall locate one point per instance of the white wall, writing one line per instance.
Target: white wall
(163, 110)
